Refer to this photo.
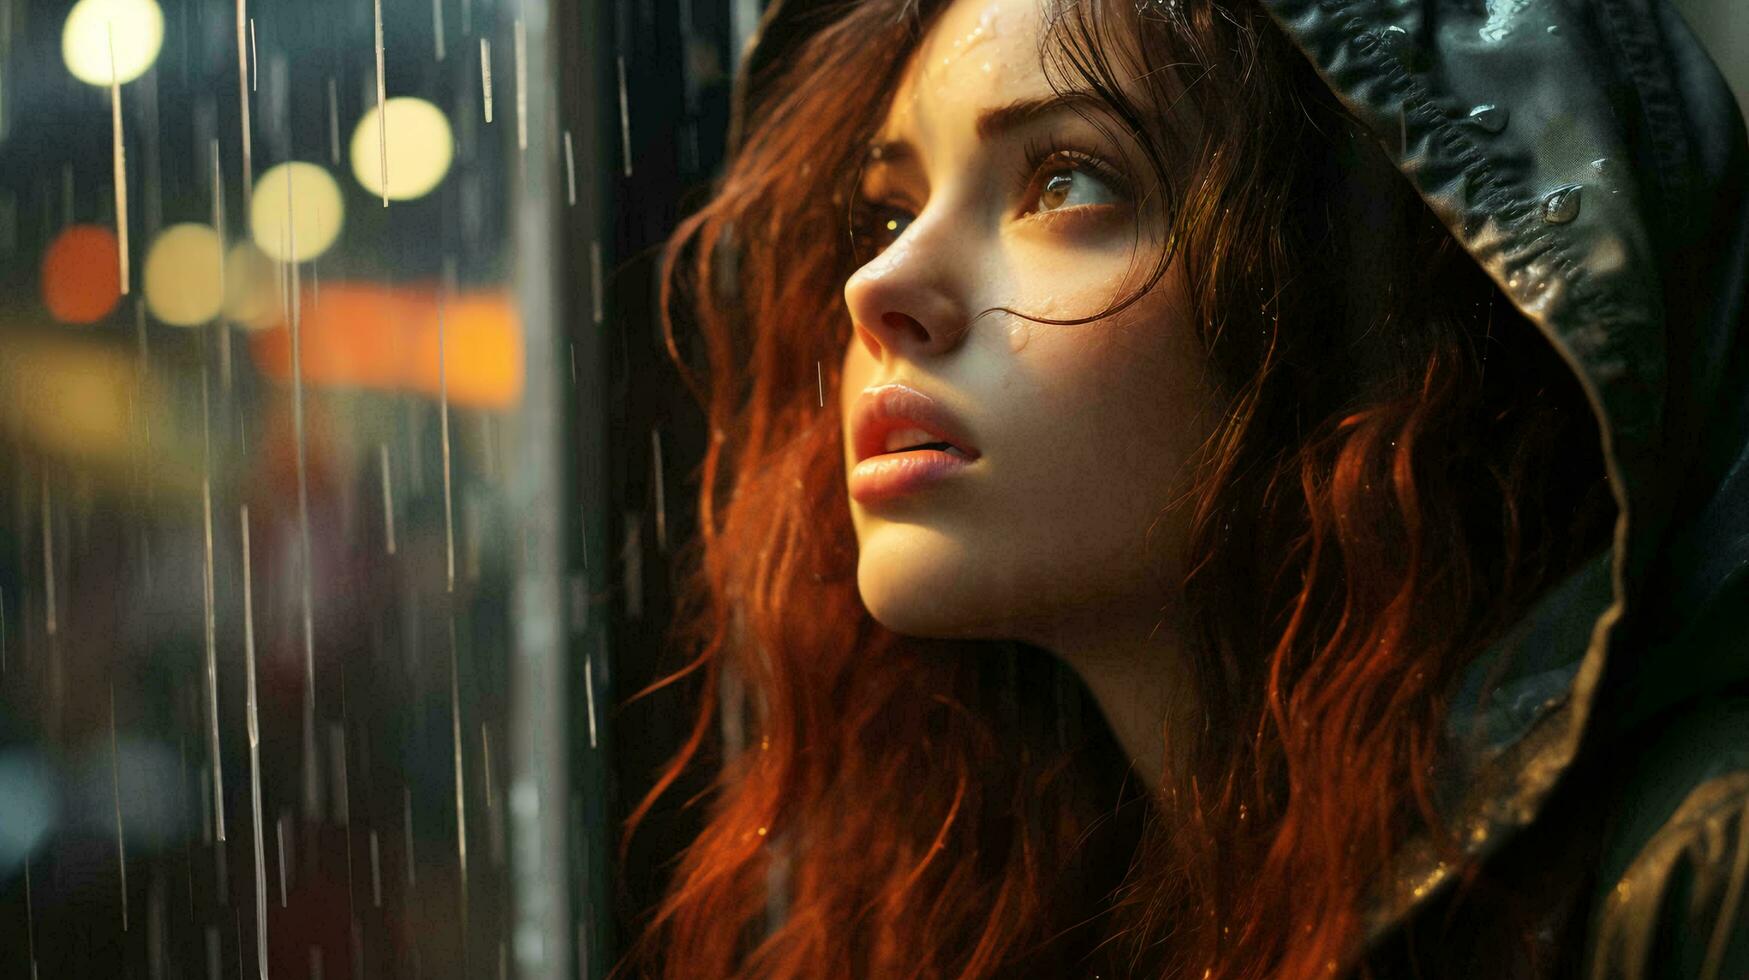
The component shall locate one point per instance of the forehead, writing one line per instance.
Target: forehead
(978, 53)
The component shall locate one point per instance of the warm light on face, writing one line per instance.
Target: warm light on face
(182, 275)
(420, 148)
(137, 27)
(297, 212)
(1002, 194)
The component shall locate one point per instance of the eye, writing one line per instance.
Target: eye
(1066, 179)
(1076, 186)
(1053, 179)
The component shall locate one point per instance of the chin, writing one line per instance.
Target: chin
(919, 581)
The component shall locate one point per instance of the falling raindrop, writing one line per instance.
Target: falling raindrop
(208, 617)
(253, 720)
(461, 803)
(625, 119)
(243, 63)
(388, 499)
(595, 298)
(521, 85)
(570, 174)
(486, 76)
(494, 813)
(589, 695)
(121, 167)
(218, 192)
(306, 554)
(443, 431)
(382, 116)
(48, 557)
(155, 927)
(376, 872)
(284, 868)
(407, 829)
(437, 26)
(333, 122)
(661, 507)
(213, 954)
(1561, 205)
(121, 848)
(29, 918)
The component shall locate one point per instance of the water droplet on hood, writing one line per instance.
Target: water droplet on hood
(1561, 205)
(1402, 46)
(1489, 117)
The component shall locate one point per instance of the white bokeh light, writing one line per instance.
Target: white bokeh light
(296, 212)
(252, 284)
(421, 148)
(138, 31)
(182, 275)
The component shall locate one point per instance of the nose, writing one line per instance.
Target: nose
(906, 299)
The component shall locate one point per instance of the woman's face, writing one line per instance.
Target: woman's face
(1081, 433)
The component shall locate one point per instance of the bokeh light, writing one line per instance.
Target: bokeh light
(252, 287)
(296, 213)
(371, 335)
(421, 148)
(81, 277)
(138, 32)
(182, 275)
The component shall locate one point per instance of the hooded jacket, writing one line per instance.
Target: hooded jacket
(1589, 156)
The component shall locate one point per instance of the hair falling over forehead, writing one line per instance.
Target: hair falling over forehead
(1404, 465)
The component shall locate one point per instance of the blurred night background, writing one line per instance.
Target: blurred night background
(344, 476)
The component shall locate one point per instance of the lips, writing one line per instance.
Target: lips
(904, 441)
(894, 417)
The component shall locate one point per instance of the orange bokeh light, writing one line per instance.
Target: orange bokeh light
(369, 335)
(81, 279)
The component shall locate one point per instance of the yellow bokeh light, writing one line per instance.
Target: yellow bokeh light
(252, 288)
(296, 212)
(138, 31)
(182, 275)
(420, 148)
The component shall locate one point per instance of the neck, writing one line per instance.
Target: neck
(1135, 668)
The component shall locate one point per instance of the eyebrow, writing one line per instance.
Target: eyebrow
(991, 124)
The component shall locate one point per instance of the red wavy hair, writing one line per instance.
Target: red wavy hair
(1404, 465)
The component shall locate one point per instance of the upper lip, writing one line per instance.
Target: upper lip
(883, 408)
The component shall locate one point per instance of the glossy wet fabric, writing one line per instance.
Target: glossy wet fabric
(1590, 158)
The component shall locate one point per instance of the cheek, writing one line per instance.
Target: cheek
(855, 371)
(1102, 420)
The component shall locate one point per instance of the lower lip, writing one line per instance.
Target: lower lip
(891, 475)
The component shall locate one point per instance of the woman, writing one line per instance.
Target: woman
(1319, 395)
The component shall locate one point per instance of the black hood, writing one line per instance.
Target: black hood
(1590, 158)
